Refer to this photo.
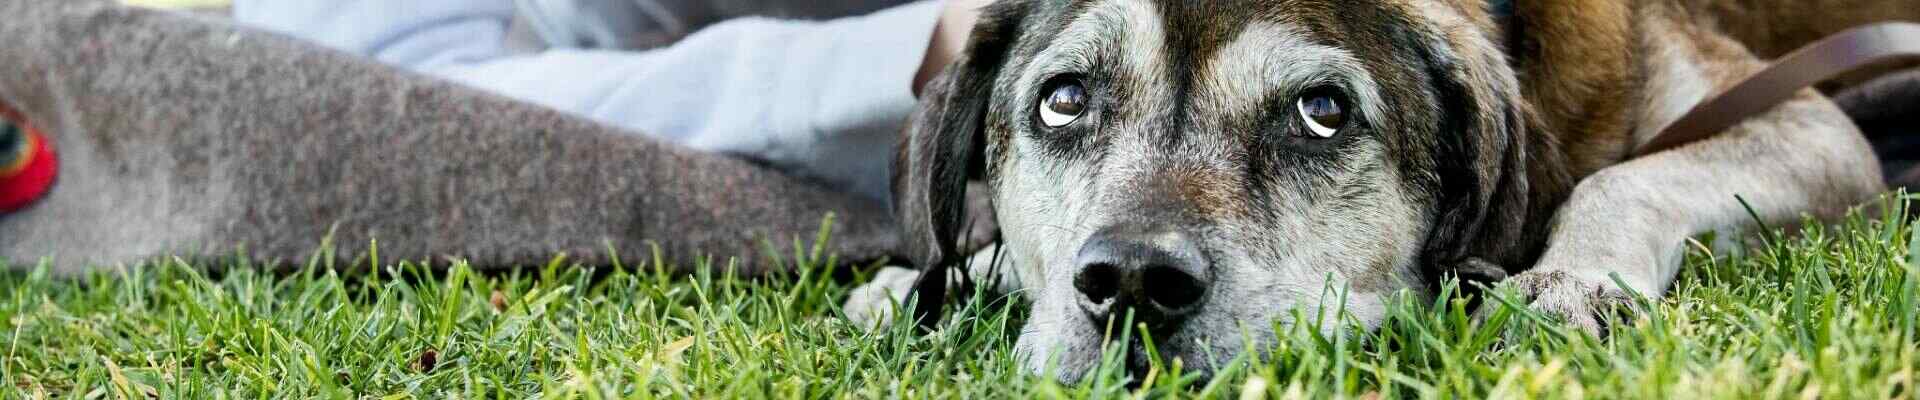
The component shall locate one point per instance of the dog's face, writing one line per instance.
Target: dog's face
(1216, 169)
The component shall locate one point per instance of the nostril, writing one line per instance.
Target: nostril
(1099, 282)
(1171, 287)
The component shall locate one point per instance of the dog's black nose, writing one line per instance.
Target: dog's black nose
(1160, 274)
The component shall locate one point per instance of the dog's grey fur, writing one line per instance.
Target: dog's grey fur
(1445, 169)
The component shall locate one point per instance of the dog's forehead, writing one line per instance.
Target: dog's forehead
(1221, 57)
(1205, 26)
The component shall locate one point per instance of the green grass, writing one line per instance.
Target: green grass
(1829, 313)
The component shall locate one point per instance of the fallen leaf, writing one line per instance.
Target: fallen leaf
(427, 360)
(671, 353)
(499, 301)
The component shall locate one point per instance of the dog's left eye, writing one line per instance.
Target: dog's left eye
(1324, 112)
(1064, 104)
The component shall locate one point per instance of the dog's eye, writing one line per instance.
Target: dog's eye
(1064, 104)
(1324, 112)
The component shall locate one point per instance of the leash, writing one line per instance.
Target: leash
(28, 164)
(1843, 52)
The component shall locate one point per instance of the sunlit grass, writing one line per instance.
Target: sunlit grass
(1828, 313)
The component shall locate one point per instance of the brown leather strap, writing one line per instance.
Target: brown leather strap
(1822, 60)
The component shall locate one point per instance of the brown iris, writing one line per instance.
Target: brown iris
(1323, 112)
(1064, 104)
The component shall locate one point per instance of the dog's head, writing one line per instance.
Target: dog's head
(1218, 167)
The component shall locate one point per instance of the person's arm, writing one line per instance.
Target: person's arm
(949, 38)
(823, 98)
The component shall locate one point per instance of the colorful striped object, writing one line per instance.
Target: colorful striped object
(27, 165)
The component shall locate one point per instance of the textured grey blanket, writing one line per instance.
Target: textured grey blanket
(189, 137)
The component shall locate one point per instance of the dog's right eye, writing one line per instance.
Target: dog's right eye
(1323, 112)
(1064, 103)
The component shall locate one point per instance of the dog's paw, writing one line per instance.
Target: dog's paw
(874, 304)
(1582, 302)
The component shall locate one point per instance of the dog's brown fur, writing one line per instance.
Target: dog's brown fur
(1771, 28)
(1591, 70)
(1583, 64)
(1510, 141)
(1577, 57)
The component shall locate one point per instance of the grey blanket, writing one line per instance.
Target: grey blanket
(183, 136)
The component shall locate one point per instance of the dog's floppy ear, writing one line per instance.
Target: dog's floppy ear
(1482, 163)
(941, 146)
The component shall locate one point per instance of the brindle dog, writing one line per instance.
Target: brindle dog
(1218, 166)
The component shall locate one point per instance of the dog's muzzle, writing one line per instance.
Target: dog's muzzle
(1158, 273)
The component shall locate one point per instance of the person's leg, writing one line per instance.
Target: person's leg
(648, 24)
(820, 99)
(414, 34)
(199, 140)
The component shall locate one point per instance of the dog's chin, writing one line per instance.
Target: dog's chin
(1070, 354)
(1070, 350)
(1137, 363)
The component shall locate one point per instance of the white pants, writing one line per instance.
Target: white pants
(820, 99)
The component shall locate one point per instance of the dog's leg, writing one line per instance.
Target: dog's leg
(1632, 219)
(873, 304)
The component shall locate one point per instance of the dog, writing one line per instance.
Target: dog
(1215, 168)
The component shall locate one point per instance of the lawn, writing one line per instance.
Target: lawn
(1828, 313)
